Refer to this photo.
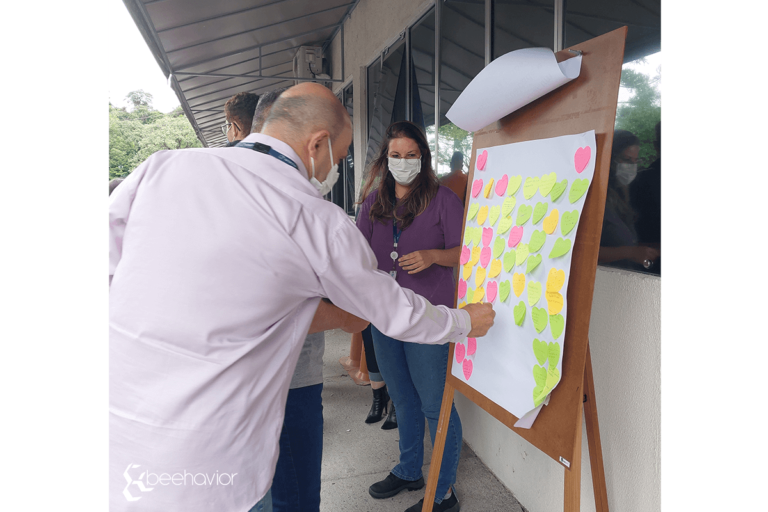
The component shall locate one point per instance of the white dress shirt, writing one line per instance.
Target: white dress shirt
(218, 258)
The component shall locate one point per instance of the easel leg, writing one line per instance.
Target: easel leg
(572, 494)
(593, 438)
(439, 445)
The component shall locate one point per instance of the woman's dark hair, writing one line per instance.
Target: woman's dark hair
(618, 195)
(423, 189)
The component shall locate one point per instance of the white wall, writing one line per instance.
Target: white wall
(624, 336)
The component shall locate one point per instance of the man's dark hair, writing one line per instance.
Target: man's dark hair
(262, 108)
(240, 107)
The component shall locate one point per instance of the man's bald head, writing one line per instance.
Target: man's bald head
(307, 108)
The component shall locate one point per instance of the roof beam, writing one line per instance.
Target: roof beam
(260, 77)
(233, 13)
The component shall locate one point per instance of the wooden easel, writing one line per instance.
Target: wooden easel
(586, 103)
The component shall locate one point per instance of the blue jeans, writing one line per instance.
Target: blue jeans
(264, 504)
(415, 377)
(296, 486)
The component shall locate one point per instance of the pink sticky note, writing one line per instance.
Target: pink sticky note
(515, 235)
(467, 367)
(501, 186)
(462, 288)
(487, 236)
(465, 255)
(459, 351)
(481, 160)
(485, 256)
(477, 186)
(471, 346)
(581, 158)
(491, 290)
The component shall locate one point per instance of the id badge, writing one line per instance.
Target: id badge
(393, 274)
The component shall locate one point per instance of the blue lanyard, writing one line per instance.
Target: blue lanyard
(267, 150)
(396, 232)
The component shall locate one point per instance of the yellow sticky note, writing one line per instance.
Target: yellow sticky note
(479, 276)
(479, 294)
(488, 189)
(550, 221)
(467, 273)
(555, 280)
(495, 268)
(518, 283)
(554, 302)
(482, 215)
(475, 256)
(461, 306)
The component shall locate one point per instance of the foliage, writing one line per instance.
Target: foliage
(641, 112)
(136, 134)
(452, 139)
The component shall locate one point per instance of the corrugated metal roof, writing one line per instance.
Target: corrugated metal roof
(214, 49)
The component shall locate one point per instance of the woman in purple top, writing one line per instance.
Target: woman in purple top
(414, 227)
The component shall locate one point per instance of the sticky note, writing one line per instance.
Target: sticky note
(501, 186)
(515, 236)
(504, 289)
(485, 256)
(509, 261)
(521, 253)
(465, 254)
(569, 222)
(458, 351)
(537, 240)
(477, 186)
(482, 214)
(577, 189)
(472, 211)
(539, 211)
(558, 190)
(518, 283)
(472, 346)
(479, 294)
(554, 303)
(546, 183)
(553, 354)
(550, 222)
(514, 185)
(487, 236)
(488, 192)
(479, 276)
(470, 295)
(467, 368)
(495, 269)
(561, 248)
(475, 256)
(553, 377)
(555, 280)
(581, 158)
(507, 206)
(519, 313)
(538, 396)
(482, 158)
(541, 351)
(533, 262)
(467, 236)
(523, 214)
(556, 325)
(539, 375)
(540, 317)
(491, 290)
(462, 288)
(477, 234)
(498, 246)
(493, 214)
(505, 224)
(462, 305)
(530, 187)
(467, 272)
(534, 292)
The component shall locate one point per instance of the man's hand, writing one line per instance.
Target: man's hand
(482, 316)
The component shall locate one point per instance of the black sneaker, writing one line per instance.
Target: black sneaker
(393, 485)
(449, 505)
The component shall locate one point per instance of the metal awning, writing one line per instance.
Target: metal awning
(210, 51)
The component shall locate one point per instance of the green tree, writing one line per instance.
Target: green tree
(452, 139)
(641, 112)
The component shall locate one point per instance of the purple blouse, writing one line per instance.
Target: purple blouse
(438, 227)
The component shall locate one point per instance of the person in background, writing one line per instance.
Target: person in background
(456, 180)
(618, 242)
(239, 113)
(414, 228)
(381, 400)
(645, 195)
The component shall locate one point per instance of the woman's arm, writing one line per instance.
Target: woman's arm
(636, 253)
(421, 260)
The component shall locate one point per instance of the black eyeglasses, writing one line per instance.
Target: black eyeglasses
(226, 126)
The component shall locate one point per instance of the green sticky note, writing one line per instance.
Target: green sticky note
(505, 224)
(538, 396)
(577, 189)
(556, 325)
(504, 288)
(530, 187)
(473, 207)
(534, 293)
(467, 236)
(540, 317)
(553, 377)
(519, 312)
(533, 262)
(498, 246)
(541, 352)
(477, 235)
(540, 374)
(569, 221)
(539, 212)
(523, 214)
(521, 253)
(507, 206)
(493, 215)
(514, 185)
(546, 183)
(558, 190)
(470, 294)
(509, 260)
(537, 240)
(561, 248)
(553, 353)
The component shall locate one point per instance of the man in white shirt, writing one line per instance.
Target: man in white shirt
(218, 260)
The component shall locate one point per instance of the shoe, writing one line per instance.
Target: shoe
(449, 505)
(379, 405)
(391, 421)
(393, 485)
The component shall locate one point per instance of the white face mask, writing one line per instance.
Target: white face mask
(626, 173)
(404, 170)
(330, 180)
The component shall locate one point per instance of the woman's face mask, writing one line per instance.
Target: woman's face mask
(626, 173)
(404, 170)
